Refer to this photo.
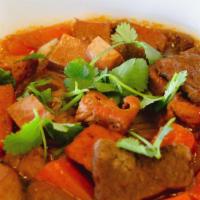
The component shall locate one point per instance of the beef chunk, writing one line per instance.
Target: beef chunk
(10, 185)
(40, 190)
(88, 30)
(188, 60)
(157, 83)
(22, 164)
(112, 59)
(67, 49)
(95, 107)
(122, 175)
(20, 70)
(177, 42)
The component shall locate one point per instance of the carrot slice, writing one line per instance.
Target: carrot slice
(81, 149)
(179, 135)
(7, 97)
(62, 173)
(23, 43)
(183, 196)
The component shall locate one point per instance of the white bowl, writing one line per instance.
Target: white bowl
(16, 14)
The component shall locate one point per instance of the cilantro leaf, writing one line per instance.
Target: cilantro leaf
(44, 96)
(149, 99)
(161, 135)
(25, 139)
(151, 53)
(124, 34)
(6, 77)
(135, 146)
(104, 87)
(140, 145)
(32, 135)
(134, 73)
(79, 71)
(62, 133)
(33, 56)
(174, 84)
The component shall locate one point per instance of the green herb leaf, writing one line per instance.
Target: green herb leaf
(33, 56)
(174, 84)
(6, 77)
(124, 34)
(134, 73)
(25, 139)
(140, 145)
(104, 87)
(63, 133)
(151, 53)
(79, 71)
(161, 135)
(134, 146)
(44, 96)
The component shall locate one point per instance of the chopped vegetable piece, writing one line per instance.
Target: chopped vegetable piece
(140, 145)
(7, 95)
(48, 47)
(184, 110)
(7, 98)
(134, 73)
(81, 149)
(6, 77)
(63, 174)
(67, 49)
(109, 60)
(25, 107)
(179, 135)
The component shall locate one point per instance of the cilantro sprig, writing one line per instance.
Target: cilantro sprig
(32, 134)
(120, 80)
(131, 77)
(125, 34)
(33, 56)
(45, 96)
(140, 145)
(63, 133)
(6, 77)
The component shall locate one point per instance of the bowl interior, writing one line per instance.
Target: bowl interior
(15, 14)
